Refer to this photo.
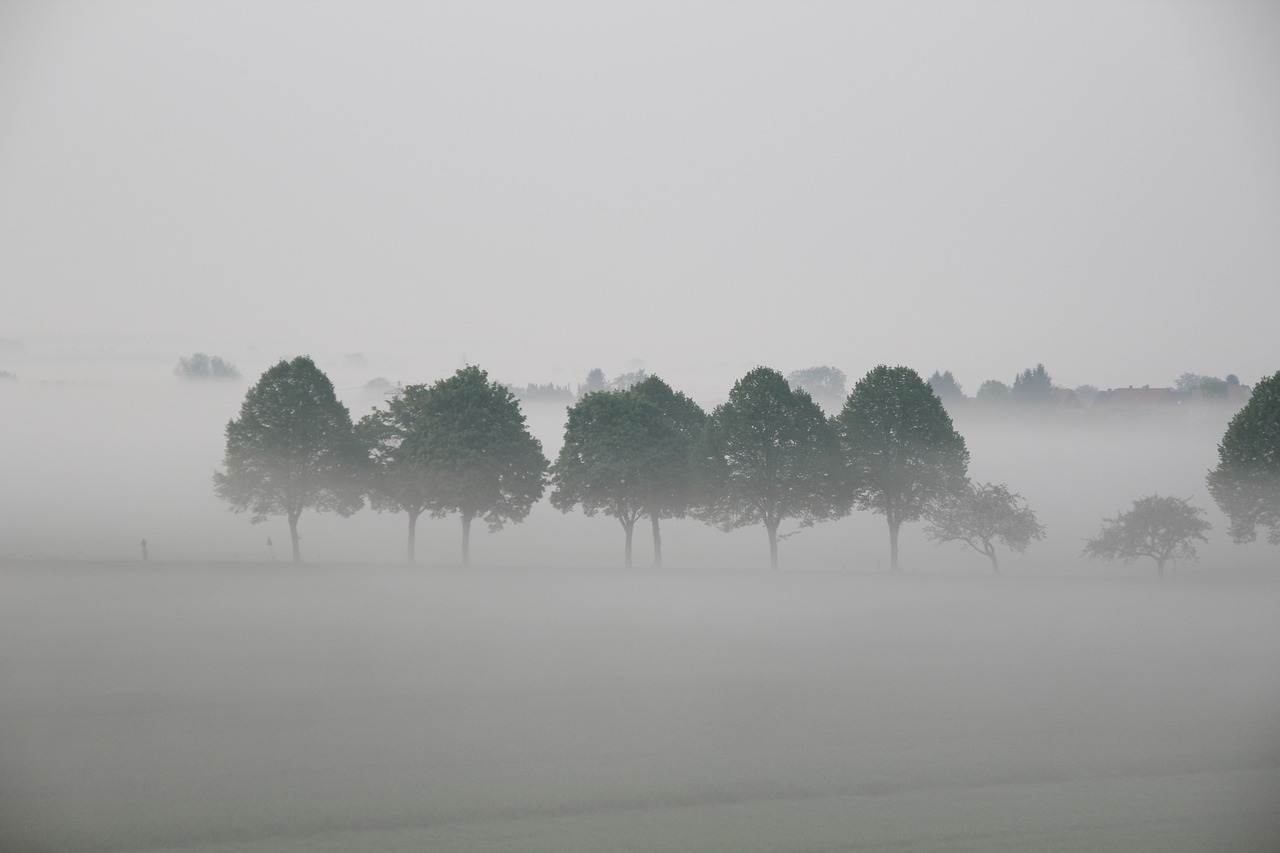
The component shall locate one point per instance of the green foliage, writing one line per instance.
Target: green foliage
(595, 382)
(395, 481)
(548, 394)
(767, 455)
(1246, 482)
(826, 385)
(1162, 528)
(627, 454)
(292, 448)
(902, 452)
(625, 381)
(474, 453)
(201, 367)
(1194, 381)
(946, 387)
(602, 456)
(981, 515)
(669, 483)
(1033, 387)
(1213, 387)
(993, 392)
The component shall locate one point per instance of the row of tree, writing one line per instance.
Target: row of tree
(769, 454)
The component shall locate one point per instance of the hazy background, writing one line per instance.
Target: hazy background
(693, 189)
(543, 188)
(689, 188)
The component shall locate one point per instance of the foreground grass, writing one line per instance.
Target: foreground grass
(191, 707)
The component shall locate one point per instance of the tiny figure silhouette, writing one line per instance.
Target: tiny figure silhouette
(271, 548)
(144, 549)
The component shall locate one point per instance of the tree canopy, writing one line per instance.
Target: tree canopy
(946, 387)
(669, 484)
(767, 455)
(1033, 386)
(604, 457)
(628, 454)
(475, 453)
(396, 481)
(983, 514)
(992, 392)
(902, 452)
(201, 367)
(292, 448)
(1246, 482)
(1210, 385)
(826, 385)
(1162, 528)
(595, 382)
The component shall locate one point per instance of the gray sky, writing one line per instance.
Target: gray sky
(545, 187)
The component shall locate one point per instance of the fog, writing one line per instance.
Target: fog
(211, 699)
(101, 454)
(331, 707)
(692, 189)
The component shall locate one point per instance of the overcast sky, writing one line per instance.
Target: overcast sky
(545, 187)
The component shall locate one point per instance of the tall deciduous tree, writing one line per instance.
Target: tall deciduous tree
(396, 481)
(669, 484)
(1162, 528)
(1246, 482)
(475, 453)
(628, 454)
(292, 448)
(603, 457)
(902, 452)
(767, 455)
(983, 514)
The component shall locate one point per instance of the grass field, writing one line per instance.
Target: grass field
(335, 707)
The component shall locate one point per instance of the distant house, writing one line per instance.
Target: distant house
(1065, 400)
(1129, 402)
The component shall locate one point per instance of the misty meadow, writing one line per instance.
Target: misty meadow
(559, 694)
(716, 425)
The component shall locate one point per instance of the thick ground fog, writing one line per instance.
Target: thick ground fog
(339, 707)
(97, 464)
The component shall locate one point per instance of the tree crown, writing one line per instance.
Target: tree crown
(767, 454)
(292, 447)
(1246, 482)
(474, 451)
(1162, 528)
(902, 450)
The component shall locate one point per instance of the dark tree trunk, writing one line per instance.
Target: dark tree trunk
(466, 539)
(293, 535)
(1160, 566)
(991, 554)
(629, 526)
(410, 548)
(657, 543)
(772, 528)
